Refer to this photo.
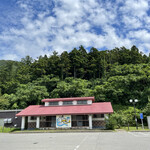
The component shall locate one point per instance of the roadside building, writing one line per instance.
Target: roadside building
(9, 118)
(77, 112)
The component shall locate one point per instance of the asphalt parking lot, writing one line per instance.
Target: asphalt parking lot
(76, 141)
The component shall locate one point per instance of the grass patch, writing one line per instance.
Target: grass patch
(134, 128)
(6, 130)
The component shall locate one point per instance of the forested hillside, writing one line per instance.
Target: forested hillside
(111, 75)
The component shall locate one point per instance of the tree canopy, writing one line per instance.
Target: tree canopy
(115, 75)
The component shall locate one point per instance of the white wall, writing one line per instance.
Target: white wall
(23, 123)
(90, 121)
(74, 102)
(148, 121)
(60, 103)
(46, 103)
(37, 122)
(2, 122)
(89, 102)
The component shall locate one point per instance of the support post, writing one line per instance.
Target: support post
(23, 123)
(38, 122)
(148, 121)
(135, 116)
(90, 121)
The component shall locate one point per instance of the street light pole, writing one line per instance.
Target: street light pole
(134, 101)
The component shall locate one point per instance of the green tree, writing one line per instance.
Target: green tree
(27, 60)
(40, 67)
(65, 65)
(75, 59)
(49, 81)
(27, 94)
(53, 64)
(83, 63)
(4, 103)
(136, 57)
(146, 110)
(71, 88)
(93, 58)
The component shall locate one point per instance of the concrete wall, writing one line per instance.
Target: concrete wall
(1, 122)
(148, 121)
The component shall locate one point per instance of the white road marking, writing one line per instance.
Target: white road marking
(138, 134)
(144, 134)
(77, 147)
(80, 143)
(133, 134)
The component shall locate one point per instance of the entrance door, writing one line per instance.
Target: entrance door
(79, 121)
(51, 121)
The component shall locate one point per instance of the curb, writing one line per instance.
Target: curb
(140, 131)
(61, 131)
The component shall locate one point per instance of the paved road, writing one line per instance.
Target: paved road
(76, 141)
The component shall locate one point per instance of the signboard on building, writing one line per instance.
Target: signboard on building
(63, 121)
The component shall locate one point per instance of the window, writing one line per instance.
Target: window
(98, 116)
(33, 118)
(50, 121)
(80, 121)
(53, 103)
(102, 115)
(67, 103)
(42, 117)
(82, 102)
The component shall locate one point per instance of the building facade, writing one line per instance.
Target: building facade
(8, 118)
(77, 112)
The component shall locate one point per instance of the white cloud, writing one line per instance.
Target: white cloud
(142, 35)
(65, 24)
(141, 38)
(135, 14)
(136, 8)
(132, 22)
(9, 57)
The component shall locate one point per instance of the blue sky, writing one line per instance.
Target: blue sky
(38, 27)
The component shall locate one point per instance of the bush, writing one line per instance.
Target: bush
(122, 118)
(111, 123)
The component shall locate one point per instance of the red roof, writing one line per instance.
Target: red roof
(68, 99)
(40, 110)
